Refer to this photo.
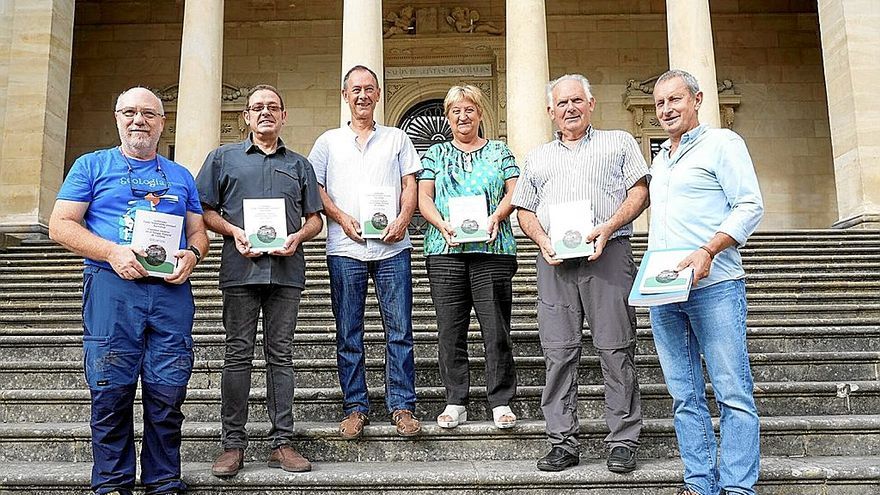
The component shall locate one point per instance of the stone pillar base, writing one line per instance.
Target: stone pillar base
(865, 221)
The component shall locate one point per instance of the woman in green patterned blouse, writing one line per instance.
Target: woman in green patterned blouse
(477, 176)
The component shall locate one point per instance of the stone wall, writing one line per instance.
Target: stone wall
(773, 59)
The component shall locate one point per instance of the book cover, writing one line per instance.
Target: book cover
(657, 281)
(378, 209)
(469, 216)
(265, 223)
(157, 235)
(570, 224)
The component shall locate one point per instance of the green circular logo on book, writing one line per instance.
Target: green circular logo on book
(266, 234)
(666, 276)
(572, 238)
(155, 255)
(379, 221)
(469, 226)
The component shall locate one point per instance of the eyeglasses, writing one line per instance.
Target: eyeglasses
(147, 113)
(143, 193)
(259, 107)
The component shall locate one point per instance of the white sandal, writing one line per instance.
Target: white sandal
(500, 412)
(457, 413)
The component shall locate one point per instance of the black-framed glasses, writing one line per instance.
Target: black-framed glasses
(143, 193)
(259, 107)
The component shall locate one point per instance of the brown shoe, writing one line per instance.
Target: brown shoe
(288, 459)
(407, 425)
(352, 427)
(229, 463)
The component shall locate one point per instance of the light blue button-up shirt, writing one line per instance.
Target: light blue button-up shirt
(708, 186)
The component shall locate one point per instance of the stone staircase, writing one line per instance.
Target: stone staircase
(814, 330)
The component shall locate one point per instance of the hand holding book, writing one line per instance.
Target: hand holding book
(700, 261)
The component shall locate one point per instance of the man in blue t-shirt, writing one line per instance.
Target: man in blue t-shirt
(133, 324)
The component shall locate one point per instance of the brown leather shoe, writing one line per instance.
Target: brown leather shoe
(352, 427)
(229, 463)
(288, 459)
(407, 425)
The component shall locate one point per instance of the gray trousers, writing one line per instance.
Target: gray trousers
(241, 310)
(598, 290)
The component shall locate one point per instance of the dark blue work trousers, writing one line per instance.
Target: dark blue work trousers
(132, 329)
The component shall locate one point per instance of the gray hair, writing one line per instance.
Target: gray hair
(567, 77)
(355, 69)
(129, 90)
(688, 78)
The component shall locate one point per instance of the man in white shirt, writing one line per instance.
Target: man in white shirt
(350, 161)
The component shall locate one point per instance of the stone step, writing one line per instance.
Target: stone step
(322, 373)
(755, 284)
(855, 435)
(211, 324)
(835, 475)
(522, 292)
(318, 268)
(59, 344)
(526, 256)
(325, 404)
(842, 313)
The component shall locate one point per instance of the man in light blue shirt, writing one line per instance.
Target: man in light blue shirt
(704, 194)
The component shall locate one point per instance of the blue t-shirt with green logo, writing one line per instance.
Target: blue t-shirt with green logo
(457, 173)
(102, 179)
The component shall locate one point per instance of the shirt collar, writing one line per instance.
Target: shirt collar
(687, 137)
(586, 137)
(250, 146)
(348, 126)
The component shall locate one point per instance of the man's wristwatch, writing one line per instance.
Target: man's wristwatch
(196, 252)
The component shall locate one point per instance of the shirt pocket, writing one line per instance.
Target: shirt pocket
(286, 182)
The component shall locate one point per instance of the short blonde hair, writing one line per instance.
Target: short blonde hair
(466, 92)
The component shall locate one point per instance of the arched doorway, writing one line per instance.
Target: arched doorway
(426, 125)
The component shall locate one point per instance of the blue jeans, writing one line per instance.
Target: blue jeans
(712, 322)
(392, 278)
(132, 329)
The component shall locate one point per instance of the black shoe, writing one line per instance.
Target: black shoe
(557, 460)
(622, 459)
(684, 490)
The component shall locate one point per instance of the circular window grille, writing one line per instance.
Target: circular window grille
(426, 124)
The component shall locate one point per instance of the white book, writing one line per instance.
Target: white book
(469, 216)
(570, 224)
(157, 235)
(378, 208)
(658, 281)
(265, 223)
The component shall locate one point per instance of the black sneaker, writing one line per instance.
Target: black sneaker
(684, 490)
(557, 460)
(622, 459)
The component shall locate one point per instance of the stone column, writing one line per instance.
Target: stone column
(35, 49)
(850, 31)
(362, 45)
(528, 124)
(689, 30)
(201, 72)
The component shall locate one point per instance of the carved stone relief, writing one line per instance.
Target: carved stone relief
(432, 20)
